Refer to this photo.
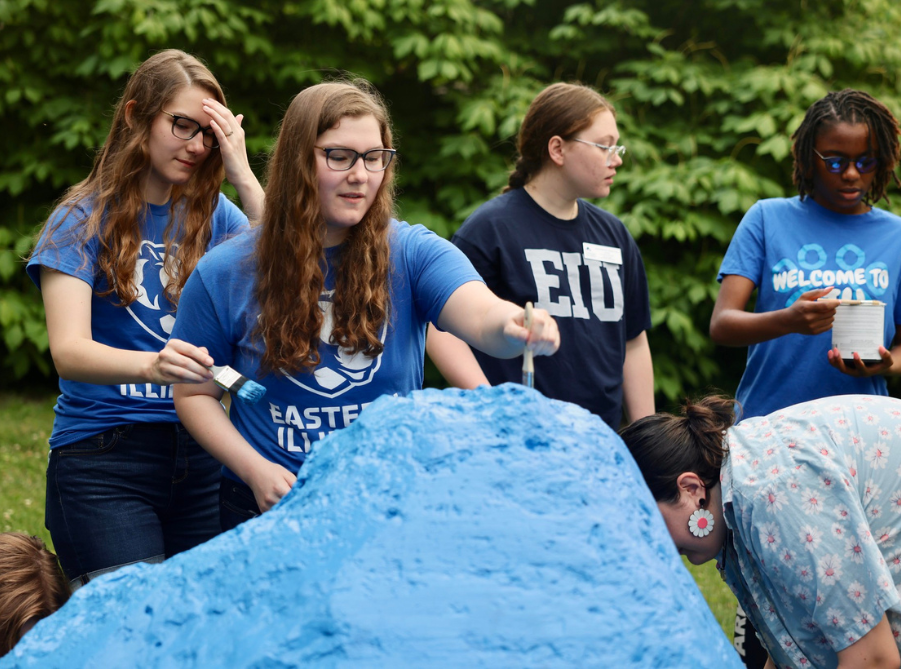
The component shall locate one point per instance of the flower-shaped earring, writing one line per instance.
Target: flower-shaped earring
(700, 523)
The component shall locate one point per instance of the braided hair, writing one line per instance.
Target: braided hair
(848, 106)
(666, 446)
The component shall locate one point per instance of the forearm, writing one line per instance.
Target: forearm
(199, 410)
(478, 317)
(490, 337)
(875, 650)
(494, 326)
(638, 379)
(87, 361)
(77, 357)
(454, 359)
(251, 193)
(734, 327)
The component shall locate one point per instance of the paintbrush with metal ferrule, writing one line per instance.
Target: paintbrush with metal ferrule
(528, 366)
(238, 385)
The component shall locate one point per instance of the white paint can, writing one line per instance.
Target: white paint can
(859, 327)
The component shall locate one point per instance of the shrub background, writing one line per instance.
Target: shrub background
(708, 93)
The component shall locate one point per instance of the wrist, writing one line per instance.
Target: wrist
(249, 467)
(147, 368)
(783, 322)
(242, 179)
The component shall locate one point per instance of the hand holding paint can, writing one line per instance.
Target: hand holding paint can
(859, 327)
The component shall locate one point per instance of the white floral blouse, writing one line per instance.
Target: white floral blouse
(812, 496)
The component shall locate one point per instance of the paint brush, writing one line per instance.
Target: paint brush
(247, 391)
(528, 366)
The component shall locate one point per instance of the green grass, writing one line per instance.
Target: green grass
(718, 595)
(25, 427)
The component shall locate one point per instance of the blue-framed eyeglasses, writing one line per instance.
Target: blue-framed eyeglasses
(611, 151)
(341, 160)
(838, 164)
(187, 128)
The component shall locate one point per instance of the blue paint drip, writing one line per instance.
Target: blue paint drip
(491, 528)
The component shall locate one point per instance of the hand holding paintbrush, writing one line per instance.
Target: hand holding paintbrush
(184, 357)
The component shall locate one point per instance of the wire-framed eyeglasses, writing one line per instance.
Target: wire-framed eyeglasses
(838, 164)
(612, 151)
(187, 128)
(341, 160)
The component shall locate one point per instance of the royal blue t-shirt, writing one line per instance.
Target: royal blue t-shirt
(86, 409)
(218, 310)
(586, 272)
(788, 246)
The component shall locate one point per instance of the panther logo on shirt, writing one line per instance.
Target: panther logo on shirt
(152, 310)
(339, 370)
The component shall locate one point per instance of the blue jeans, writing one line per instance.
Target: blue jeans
(236, 503)
(136, 493)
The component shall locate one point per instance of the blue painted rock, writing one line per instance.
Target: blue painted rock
(493, 528)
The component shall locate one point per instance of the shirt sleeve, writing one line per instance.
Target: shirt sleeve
(747, 250)
(436, 269)
(228, 221)
(199, 322)
(637, 296)
(62, 248)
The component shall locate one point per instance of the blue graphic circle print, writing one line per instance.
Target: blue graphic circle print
(850, 276)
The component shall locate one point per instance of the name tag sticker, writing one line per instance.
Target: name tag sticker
(600, 253)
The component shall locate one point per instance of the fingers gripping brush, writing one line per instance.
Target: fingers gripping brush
(231, 380)
(528, 366)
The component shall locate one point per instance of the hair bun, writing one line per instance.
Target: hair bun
(715, 413)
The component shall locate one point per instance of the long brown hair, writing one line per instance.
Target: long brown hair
(32, 585)
(665, 446)
(560, 109)
(114, 190)
(289, 252)
(848, 106)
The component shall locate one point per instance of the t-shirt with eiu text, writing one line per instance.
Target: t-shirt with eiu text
(586, 272)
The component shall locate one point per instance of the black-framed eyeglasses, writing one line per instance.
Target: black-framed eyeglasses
(187, 128)
(341, 160)
(838, 164)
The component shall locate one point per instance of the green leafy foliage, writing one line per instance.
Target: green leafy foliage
(708, 94)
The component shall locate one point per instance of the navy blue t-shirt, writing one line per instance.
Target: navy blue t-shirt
(586, 272)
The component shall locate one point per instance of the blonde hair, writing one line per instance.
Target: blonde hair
(32, 585)
(289, 253)
(114, 190)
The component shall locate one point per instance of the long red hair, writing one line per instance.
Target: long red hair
(114, 190)
(289, 252)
